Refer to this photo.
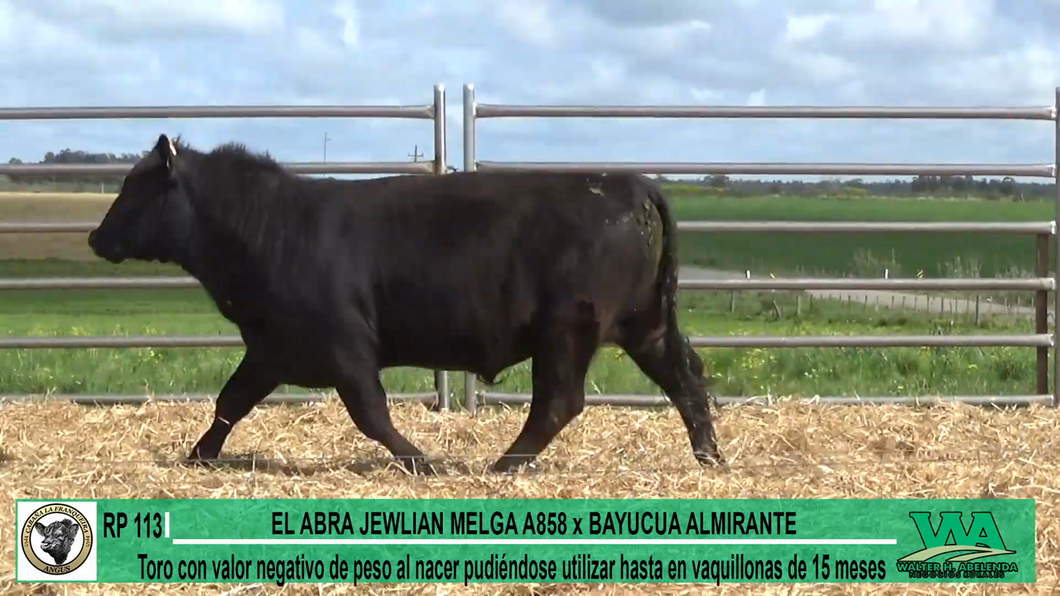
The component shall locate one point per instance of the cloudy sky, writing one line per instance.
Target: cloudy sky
(735, 52)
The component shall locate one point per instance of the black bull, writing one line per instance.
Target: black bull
(330, 281)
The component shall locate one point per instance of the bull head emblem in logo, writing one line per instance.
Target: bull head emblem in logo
(58, 538)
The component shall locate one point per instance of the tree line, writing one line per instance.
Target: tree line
(71, 156)
(947, 186)
(942, 186)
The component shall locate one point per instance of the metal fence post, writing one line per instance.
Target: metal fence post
(1041, 311)
(470, 399)
(1056, 242)
(441, 168)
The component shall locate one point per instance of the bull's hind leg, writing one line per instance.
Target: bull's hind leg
(680, 375)
(559, 366)
(246, 388)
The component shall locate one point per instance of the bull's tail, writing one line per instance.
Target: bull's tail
(676, 343)
(691, 395)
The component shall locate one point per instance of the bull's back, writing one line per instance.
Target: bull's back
(475, 229)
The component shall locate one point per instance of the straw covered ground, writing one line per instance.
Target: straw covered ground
(796, 451)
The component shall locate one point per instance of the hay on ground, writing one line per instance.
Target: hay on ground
(788, 451)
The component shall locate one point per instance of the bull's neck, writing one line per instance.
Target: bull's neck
(235, 214)
(237, 233)
(220, 261)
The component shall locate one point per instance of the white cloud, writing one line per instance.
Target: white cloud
(29, 41)
(7, 21)
(799, 28)
(938, 24)
(607, 72)
(141, 17)
(641, 13)
(809, 52)
(666, 41)
(347, 12)
(311, 46)
(529, 21)
(818, 67)
(1021, 76)
(705, 96)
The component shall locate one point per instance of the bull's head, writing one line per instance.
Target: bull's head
(151, 213)
(58, 538)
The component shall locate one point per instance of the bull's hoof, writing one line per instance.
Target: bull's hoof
(198, 459)
(711, 459)
(510, 464)
(419, 466)
(202, 464)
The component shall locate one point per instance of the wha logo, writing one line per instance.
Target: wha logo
(955, 551)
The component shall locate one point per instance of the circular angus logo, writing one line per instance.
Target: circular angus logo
(56, 539)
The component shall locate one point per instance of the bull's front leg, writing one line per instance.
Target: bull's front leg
(365, 399)
(246, 388)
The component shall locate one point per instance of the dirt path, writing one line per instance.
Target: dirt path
(887, 299)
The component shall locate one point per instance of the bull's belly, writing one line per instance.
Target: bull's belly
(315, 360)
(485, 354)
(312, 369)
(294, 358)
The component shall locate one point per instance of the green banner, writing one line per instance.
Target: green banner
(535, 540)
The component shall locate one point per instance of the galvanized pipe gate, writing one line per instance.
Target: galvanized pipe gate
(1045, 232)
(434, 111)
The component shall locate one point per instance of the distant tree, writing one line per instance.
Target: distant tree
(719, 181)
(958, 184)
(1008, 186)
(966, 186)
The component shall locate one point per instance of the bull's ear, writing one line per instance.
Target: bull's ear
(39, 527)
(166, 150)
(72, 526)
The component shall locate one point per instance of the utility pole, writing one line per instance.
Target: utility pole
(326, 139)
(415, 155)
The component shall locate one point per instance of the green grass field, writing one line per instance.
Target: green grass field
(945, 255)
(735, 372)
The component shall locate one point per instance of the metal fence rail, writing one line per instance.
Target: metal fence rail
(1045, 232)
(648, 401)
(776, 169)
(482, 110)
(434, 112)
(833, 227)
(842, 283)
(1037, 228)
(112, 399)
(120, 169)
(751, 341)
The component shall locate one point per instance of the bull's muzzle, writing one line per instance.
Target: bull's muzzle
(108, 251)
